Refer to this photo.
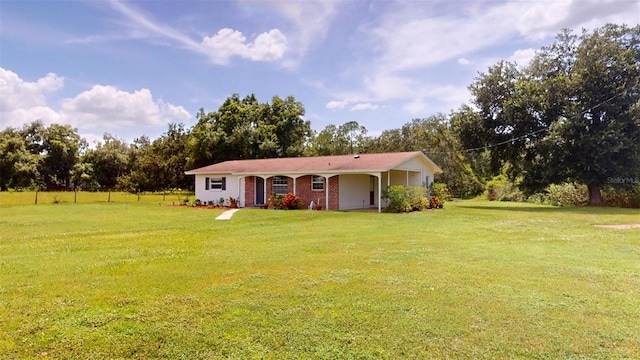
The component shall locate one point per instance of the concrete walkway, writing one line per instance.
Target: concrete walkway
(227, 214)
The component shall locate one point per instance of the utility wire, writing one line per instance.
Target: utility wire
(486, 147)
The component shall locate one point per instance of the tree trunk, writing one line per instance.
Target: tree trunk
(595, 198)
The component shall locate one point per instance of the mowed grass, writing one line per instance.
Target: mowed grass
(474, 280)
(10, 198)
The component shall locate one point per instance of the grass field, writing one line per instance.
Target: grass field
(474, 280)
(9, 198)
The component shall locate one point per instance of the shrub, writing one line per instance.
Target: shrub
(397, 199)
(417, 196)
(233, 202)
(567, 194)
(434, 202)
(501, 189)
(292, 202)
(275, 201)
(627, 198)
(405, 199)
(441, 190)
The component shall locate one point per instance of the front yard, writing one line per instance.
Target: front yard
(474, 280)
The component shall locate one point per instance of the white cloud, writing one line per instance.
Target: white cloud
(337, 105)
(309, 22)
(406, 41)
(522, 56)
(107, 108)
(220, 48)
(542, 19)
(23, 101)
(227, 43)
(364, 106)
(102, 108)
(355, 103)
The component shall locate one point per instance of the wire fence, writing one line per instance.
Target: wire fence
(8, 198)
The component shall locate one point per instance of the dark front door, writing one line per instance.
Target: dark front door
(259, 191)
(372, 190)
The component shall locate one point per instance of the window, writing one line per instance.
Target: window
(317, 183)
(280, 185)
(216, 183)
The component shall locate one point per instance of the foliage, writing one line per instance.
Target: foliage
(567, 194)
(247, 129)
(435, 202)
(621, 197)
(441, 191)
(233, 202)
(401, 198)
(501, 189)
(437, 137)
(292, 202)
(108, 161)
(571, 115)
(397, 199)
(417, 196)
(275, 201)
(18, 166)
(348, 138)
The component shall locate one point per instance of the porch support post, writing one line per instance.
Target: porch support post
(407, 177)
(326, 194)
(379, 176)
(389, 178)
(264, 195)
(241, 191)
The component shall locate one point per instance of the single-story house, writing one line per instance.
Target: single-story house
(339, 182)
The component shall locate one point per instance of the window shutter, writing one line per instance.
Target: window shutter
(206, 183)
(224, 183)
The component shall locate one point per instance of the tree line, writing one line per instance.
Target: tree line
(572, 114)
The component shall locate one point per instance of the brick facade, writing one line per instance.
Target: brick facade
(303, 190)
(249, 191)
(307, 194)
(334, 194)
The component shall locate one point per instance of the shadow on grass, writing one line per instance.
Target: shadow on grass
(532, 208)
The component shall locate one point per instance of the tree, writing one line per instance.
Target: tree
(572, 115)
(247, 129)
(602, 132)
(18, 166)
(434, 136)
(348, 138)
(109, 161)
(171, 152)
(62, 147)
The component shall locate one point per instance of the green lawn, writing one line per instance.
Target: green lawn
(474, 280)
(10, 198)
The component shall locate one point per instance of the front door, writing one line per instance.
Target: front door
(259, 191)
(372, 190)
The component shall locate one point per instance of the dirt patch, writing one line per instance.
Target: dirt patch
(623, 226)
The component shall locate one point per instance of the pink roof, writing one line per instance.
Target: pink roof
(317, 164)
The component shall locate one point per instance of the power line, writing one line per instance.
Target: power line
(486, 147)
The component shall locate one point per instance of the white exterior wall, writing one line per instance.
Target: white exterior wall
(233, 187)
(354, 191)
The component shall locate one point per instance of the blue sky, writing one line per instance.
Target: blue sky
(131, 67)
